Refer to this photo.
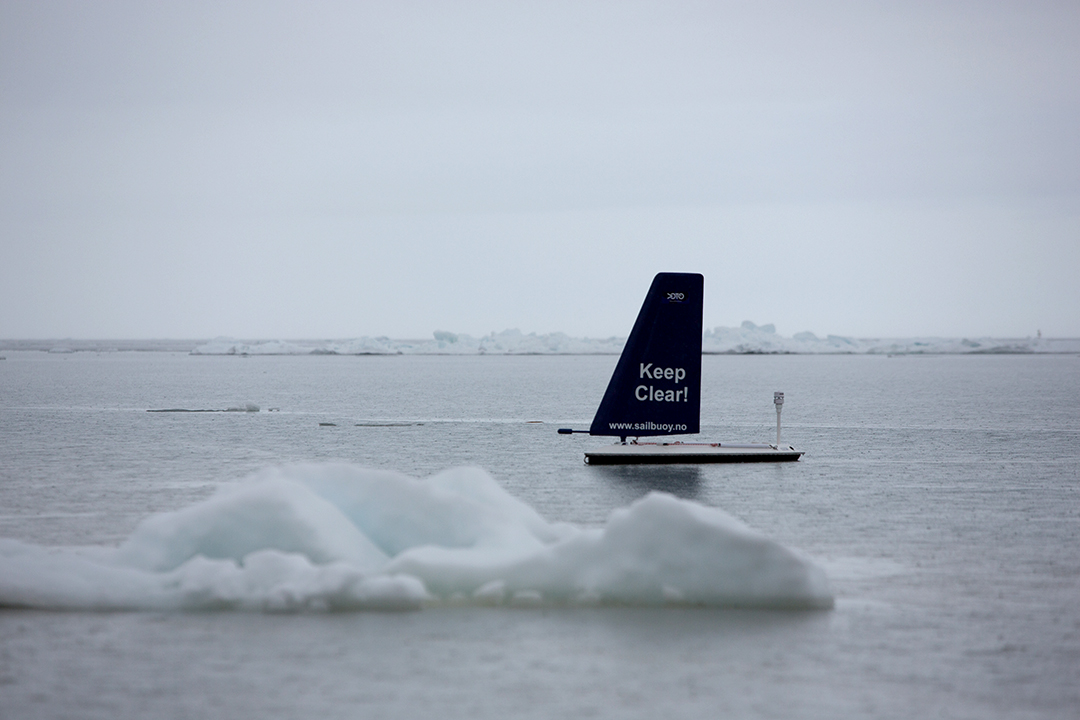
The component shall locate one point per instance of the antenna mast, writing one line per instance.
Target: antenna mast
(778, 400)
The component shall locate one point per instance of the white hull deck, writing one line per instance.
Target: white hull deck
(679, 452)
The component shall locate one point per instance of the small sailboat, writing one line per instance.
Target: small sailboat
(655, 390)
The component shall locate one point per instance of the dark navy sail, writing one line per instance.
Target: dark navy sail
(656, 387)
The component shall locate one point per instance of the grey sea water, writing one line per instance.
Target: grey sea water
(939, 492)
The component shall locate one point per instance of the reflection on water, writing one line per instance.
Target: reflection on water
(682, 481)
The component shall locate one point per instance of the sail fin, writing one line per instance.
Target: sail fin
(656, 386)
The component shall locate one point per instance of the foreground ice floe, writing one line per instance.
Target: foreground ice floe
(337, 536)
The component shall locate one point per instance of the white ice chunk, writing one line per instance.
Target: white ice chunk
(659, 550)
(269, 512)
(330, 536)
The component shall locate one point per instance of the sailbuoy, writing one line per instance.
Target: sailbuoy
(655, 390)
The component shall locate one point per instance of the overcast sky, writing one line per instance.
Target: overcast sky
(339, 169)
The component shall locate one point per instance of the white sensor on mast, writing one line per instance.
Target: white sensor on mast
(778, 400)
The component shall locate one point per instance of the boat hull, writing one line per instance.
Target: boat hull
(689, 453)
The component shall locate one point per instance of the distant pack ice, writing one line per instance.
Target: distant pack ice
(748, 339)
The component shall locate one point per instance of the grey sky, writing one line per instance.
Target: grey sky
(263, 169)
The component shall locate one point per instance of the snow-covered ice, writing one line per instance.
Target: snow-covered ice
(749, 338)
(756, 339)
(338, 536)
(507, 342)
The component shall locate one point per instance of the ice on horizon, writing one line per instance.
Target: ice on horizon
(336, 536)
(748, 339)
